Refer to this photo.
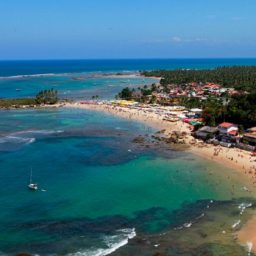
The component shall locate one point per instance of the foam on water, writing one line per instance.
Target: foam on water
(10, 143)
(38, 132)
(131, 74)
(249, 246)
(16, 140)
(243, 206)
(112, 244)
(28, 76)
(236, 224)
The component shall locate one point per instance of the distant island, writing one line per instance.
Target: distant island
(48, 97)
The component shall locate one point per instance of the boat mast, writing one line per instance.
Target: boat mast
(30, 176)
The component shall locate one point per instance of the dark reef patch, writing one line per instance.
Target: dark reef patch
(158, 230)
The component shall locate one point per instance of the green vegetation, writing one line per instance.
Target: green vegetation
(95, 97)
(143, 94)
(239, 109)
(126, 94)
(238, 77)
(47, 97)
(7, 103)
(43, 97)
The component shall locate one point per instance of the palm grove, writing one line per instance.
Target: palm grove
(47, 97)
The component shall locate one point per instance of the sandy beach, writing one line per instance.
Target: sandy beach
(233, 158)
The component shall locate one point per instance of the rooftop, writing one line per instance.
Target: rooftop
(233, 132)
(250, 135)
(208, 129)
(226, 125)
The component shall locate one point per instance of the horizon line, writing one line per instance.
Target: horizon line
(155, 58)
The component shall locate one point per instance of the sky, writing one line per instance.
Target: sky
(95, 29)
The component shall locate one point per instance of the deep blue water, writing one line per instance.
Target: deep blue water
(13, 68)
(81, 79)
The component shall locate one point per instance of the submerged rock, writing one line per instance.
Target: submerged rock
(162, 131)
(138, 139)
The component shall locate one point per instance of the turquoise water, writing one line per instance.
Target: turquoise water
(88, 85)
(24, 78)
(95, 184)
(96, 187)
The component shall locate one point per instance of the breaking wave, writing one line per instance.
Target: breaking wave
(10, 143)
(37, 133)
(17, 140)
(86, 74)
(28, 76)
(112, 244)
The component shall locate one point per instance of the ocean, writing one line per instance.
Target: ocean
(35, 67)
(99, 192)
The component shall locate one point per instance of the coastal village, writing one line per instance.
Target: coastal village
(164, 102)
(179, 127)
(184, 117)
(225, 134)
(128, 128)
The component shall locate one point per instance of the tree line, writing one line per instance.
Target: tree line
(238, 109)
(238, 77)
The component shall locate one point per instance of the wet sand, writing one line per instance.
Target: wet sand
(247, 235)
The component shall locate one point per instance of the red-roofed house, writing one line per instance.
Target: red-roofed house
(211, 86)
(233, 132)
(228, 128)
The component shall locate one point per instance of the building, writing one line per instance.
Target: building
(249, 138)
(228, 129)
(248, 141)
(206, 132)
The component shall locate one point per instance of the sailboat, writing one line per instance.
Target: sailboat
(31, 185)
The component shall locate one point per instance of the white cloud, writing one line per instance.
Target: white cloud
(176, 39)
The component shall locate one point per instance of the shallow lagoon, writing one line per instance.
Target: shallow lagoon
(71, 86)
(99, 188)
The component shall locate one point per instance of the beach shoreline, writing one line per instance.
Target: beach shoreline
(233, 158)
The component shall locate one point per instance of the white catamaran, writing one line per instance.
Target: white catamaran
(31, 185)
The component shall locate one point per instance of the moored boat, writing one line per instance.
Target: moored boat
(31, 185)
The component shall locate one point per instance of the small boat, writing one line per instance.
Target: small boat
(31, 185)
